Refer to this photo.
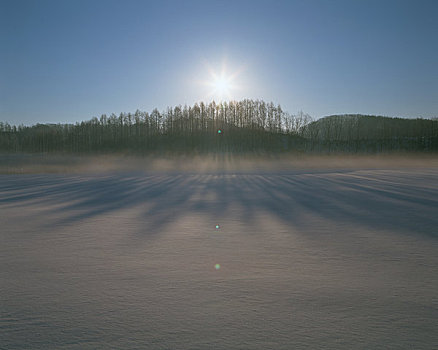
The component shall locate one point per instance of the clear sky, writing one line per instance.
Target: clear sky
(66, 61)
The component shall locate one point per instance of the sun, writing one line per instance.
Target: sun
(222, 84)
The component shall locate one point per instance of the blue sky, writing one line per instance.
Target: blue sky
(66, 61)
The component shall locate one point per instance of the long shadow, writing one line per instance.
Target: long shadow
(374, 202)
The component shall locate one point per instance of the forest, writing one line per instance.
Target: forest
(236, 126)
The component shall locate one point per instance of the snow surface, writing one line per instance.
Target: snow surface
(332, 259)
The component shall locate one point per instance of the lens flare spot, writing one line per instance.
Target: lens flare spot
(217, 227)
(217, 266)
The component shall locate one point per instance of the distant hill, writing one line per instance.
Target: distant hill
(356, 132)
(357, 126)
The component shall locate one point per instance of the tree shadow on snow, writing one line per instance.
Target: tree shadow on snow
(373, 202)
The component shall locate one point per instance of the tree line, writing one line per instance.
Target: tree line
(235, 126)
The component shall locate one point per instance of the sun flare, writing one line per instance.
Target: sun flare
(222, 86)
(221, 83)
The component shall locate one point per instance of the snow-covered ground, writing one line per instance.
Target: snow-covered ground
(305, 259)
